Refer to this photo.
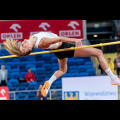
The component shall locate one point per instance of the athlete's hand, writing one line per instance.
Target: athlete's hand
(79, 42)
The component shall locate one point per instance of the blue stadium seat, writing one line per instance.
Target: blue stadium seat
(2, 63)
(22, 99)
(16, 60)
(73, 67)
(40, 63)
(8, 59)
(30, 56)
(55, 68)
(46, 56)
(9, 84)
(24, 63)
(32, 94)
(55, 64)
(54, 59)
(22, 95)
(59, 98)
(13, 82)
(48, 75)
(33, 70)
(80, 61)
(9, 75)
(82, 68)
(1, 60)
(11, 96)
(58, 84)
(2, 54)
(38, 57)
(47, 66)
(72, 62)
(13, 88)
(82, 74)
(9, 63)
(16, 64)
(87, 58)
(74, 71)
(16, 70)
(23, 84)
(49, 71)
(40, 70)
(75, 74)
(6, 53)
(35, 50)
(32, 67)
(53, 86)
(40, 79)
(33, 98)
(32, 62)
(22, 74)
(25, 58)
(48, 61)
(41, 75)
(8, 68)
(53, 55)
(33, 84)
(15, 75)
(32, 88)
(91, 72)
(89, 66)
(67, 75)
(22, 88)
(88, 63)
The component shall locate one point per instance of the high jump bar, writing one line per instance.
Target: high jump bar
(67, 49)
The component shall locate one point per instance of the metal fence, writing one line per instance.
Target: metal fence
(54, 94)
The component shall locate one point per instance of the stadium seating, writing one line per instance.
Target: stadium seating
(43, 66)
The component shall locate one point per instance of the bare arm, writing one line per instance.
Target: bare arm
(48, 41)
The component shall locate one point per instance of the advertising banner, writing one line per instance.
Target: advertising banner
(89, 88)
(22, 29)
(4, 93)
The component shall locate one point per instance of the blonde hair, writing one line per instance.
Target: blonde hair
(13, 47)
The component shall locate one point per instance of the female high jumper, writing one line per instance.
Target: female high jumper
(48, 40)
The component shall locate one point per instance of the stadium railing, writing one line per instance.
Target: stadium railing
(54, 94)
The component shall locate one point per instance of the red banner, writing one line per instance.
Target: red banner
(4, 93)
(22, 29)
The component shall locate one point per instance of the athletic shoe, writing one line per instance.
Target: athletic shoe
(45, 89)
(117, 82)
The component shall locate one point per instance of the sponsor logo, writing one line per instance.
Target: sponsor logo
(15, 26)
(71, 33)
(4, 93)
(71, 95)
(44, 26)
(15, 35)
(73, 24)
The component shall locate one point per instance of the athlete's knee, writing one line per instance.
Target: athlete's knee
(99, 53)
(64, 71)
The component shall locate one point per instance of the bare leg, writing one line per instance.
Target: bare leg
(92, 52)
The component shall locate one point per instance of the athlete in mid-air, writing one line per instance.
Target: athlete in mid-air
(47, 40)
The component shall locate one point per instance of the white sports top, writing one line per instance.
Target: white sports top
(41, 35)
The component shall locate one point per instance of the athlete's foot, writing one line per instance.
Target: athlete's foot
(45, 89)
(115, 82)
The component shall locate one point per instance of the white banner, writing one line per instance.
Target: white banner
(89, 88)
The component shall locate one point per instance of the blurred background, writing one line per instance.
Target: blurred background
(84, 79)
